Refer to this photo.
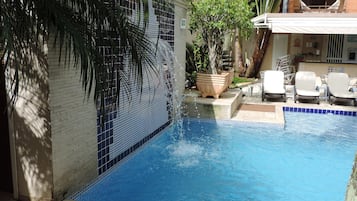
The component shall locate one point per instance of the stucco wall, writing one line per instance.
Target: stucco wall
(30, 134)
(350, 6)
(351, 193)
(322, 68)
(73, 124)
(180, 45)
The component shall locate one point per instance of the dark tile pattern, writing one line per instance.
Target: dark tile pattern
(320, 111)
(114, 56)
(104, 164)
(166, 18)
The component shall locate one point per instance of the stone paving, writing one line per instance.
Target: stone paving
(252, 96)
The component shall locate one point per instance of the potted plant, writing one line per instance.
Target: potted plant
(210, 20)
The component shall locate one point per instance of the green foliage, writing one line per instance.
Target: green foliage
(221, 15)
(267, 6)
(77, 27)
(190, 59)
(200, 55)
(210, 19)
(196, 56)
(237, 80)
(196, 61)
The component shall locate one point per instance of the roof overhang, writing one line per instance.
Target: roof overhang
(308, 23)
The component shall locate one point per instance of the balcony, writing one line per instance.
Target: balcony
(320, 6)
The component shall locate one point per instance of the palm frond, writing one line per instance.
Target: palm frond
(267, 6)
(77, 27)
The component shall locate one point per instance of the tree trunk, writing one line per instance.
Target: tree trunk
(238, 57)
(215, 48)
(261, 46)
(212, 55)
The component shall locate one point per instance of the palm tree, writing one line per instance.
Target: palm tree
(77, 27)
(263, 35)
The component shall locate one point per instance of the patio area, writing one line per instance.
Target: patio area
(250, 107)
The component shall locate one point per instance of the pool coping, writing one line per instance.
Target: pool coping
(265, 116)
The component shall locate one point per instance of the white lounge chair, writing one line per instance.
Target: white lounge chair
(338, 87)
(273, 85)
(306, 86)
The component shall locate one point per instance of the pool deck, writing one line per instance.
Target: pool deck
(252, 109)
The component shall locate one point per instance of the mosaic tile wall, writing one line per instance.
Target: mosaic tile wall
(132, 124)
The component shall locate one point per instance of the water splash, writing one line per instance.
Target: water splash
(166, 61)
(185, 154)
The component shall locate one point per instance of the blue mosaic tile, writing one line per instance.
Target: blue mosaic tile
(105, 134)
(319, 111)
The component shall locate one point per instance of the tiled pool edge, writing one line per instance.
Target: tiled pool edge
(319, 111)
(116, 161)
(351, 191)
(134, 147)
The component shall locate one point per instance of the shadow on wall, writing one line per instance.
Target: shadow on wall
(30, 127)
(5, 169)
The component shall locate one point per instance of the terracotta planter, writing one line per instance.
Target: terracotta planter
(230, 77)
(212, 84)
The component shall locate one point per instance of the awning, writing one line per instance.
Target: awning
(308, 23)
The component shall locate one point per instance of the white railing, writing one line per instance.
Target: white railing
(335, 48)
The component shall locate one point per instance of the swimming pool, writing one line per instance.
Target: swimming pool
(310, 159)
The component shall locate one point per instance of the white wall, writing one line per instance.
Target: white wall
(280, 46)
(30, 134)
(73, 126)
(180, 44)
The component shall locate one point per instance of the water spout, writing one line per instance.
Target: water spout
(166, 62)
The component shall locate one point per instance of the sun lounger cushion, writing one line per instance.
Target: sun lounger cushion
(305, 83)
(338, 86)
(273, 84)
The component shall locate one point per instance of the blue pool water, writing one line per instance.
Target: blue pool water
(310, 159)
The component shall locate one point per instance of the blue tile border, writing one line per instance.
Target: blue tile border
(320, 111)
(107, 164)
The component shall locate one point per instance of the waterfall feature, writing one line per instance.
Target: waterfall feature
(153, 108)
